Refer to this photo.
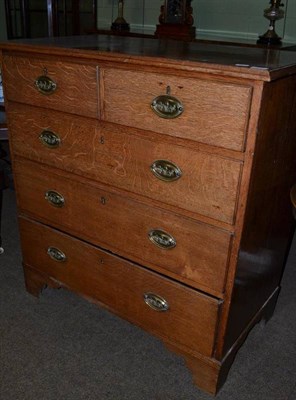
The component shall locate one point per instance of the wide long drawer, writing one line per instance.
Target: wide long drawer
(177, 246)
(190, 180)
(70, 87)
(162, 307)
(215, 113)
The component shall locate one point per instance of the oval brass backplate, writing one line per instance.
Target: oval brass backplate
(156, 302)
(166, 106)
(56, 254)
(162, 239)
(50, 139)
(54, 198)
(45, 84)
(166, 170)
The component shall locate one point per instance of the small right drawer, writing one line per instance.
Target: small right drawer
(210, 112)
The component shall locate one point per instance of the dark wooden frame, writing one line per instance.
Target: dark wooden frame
(52, 18)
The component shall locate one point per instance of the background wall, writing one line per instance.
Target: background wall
(290, 27)
(242, 19)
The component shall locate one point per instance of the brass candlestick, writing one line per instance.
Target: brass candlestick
(120, 23)
(273, 13)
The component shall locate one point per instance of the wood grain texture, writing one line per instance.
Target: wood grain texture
(121, 225)
(269, 223)
(107, 153)
(77, 86)
(235, 144)
(207, 117)
(241, 213)
(205, 371)
(168, 55)
(190, 320)
(37, 281)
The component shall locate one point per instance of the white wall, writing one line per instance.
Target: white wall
(214, 18)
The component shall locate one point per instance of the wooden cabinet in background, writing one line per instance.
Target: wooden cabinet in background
(155, 183)
(41, 18)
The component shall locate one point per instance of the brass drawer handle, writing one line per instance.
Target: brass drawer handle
(156, 302)
(50, 139)
(45, 85)
(166, 170)
(56, 254)
(162, 239)
(166, 106)
(54, 198)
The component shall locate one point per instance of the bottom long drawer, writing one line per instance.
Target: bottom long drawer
(163, 307)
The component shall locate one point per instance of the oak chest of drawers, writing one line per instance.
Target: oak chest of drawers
(156, 183)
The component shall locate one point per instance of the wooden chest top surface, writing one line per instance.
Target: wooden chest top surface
(256, 63)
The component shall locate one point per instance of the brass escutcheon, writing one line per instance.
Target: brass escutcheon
(45, 85)
(156, 302)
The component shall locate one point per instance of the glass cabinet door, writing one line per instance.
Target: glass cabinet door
(41, 18)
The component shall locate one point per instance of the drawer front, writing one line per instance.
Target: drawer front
(207, 185)
(212, 113)
(178, 246)
(182, 315)
(76, 89)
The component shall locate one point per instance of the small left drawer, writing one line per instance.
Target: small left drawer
(58, 85)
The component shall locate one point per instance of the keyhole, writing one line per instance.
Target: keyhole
(102, 140)
(103, 200)
(45, 71)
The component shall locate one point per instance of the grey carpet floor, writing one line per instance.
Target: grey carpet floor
(62, 347)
